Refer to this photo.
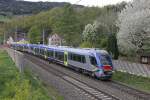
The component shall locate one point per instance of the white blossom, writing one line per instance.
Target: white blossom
(134, 24)
(89, 33)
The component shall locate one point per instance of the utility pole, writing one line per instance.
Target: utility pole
(43, 36)
(16, 34)
(4, 39)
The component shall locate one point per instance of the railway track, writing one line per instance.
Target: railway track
(88, 90)
(94, 88)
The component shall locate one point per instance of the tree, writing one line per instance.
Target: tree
(134, 25)
(89, 34)
(112, 46)
(34, 35)
(67, 25)
(105, 25)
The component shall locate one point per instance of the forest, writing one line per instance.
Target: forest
(70, 23)
(21, 7)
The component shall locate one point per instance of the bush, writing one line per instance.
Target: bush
(34, 35)
(86, 45)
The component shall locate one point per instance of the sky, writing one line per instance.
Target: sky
(99, 3)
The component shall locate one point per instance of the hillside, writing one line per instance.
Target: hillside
(17, 7)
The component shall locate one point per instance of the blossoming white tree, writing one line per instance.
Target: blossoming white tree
(90, 32)
(134, 25)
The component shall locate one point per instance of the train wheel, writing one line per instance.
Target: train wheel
(84, 72)
(93, 74)
(76, 69)
(80, 70)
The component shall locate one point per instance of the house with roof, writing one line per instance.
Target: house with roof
(145, 58)
(55, 39)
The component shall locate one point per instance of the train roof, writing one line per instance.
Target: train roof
(85, 51)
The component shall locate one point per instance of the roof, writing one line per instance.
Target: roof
(55, 36)
(145, 55)
(85, 51)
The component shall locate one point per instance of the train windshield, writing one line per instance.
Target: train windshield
(93, 61)
(105, 60)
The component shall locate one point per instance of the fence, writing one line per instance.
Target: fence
(132, 68)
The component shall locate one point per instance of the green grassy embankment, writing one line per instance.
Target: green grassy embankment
(3, 18)
(17, 86)
(134, 81)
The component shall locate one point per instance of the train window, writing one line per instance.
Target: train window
(70, 56)
(36, 50)
(104, 59)
(59, 55)
(42, 51)
(56, 54)
(50, 53)
(83, 59)
(26, 47)
(31, 48)
(93, 61)
(76, 57)
(21, 48)
(45, 52)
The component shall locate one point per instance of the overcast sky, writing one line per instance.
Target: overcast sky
(86, 2)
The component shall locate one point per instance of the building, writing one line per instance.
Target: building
(10, 40)
(55, 39)
(145, 59)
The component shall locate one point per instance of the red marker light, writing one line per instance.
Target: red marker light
(107, 67)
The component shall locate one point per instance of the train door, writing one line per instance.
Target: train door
(34, 49)
(66, 58)
(45, 53)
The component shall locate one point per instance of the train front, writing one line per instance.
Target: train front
(105, 66)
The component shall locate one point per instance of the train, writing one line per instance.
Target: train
(92, 61)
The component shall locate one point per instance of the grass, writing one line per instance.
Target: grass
(3, 18)
(17, 86)
(138, 82)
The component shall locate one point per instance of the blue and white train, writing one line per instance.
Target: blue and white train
(97, 63)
